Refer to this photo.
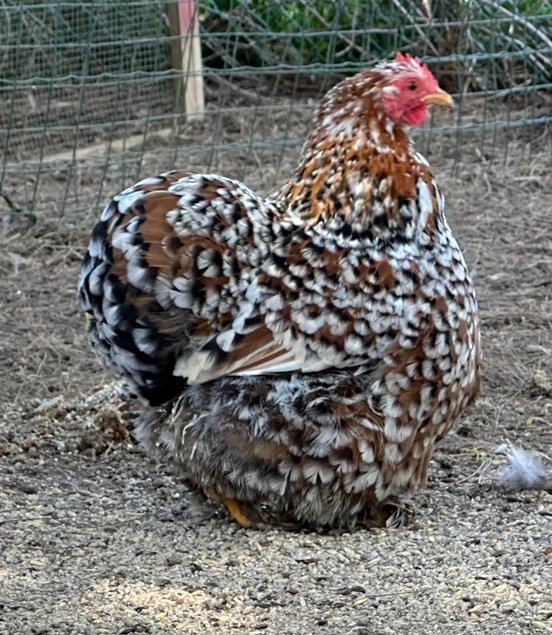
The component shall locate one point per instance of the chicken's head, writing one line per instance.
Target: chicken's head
(409, 89)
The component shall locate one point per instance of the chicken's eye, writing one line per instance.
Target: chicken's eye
(412, 85)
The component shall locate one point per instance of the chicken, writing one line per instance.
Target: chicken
(299, 356)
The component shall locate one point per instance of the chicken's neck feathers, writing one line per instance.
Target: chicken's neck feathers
(361, 176)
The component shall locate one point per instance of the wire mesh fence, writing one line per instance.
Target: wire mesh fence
(91, 96)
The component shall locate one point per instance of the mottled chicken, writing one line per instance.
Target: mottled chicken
(299, 356)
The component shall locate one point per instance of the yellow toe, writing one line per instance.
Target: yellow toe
(235, 511)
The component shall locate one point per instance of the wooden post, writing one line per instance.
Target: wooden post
(186, 57)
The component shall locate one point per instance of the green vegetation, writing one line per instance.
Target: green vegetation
(487, 44)
(480, 44)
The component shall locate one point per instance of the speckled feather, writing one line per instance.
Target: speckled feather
(301, 354)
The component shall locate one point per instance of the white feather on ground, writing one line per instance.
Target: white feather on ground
(524, 470)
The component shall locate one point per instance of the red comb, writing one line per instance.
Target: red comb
(414, 62)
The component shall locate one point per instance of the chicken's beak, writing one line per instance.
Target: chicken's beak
(440, 98)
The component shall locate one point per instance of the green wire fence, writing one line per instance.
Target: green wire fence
(96, 93)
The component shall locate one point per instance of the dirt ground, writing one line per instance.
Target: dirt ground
(95, 538)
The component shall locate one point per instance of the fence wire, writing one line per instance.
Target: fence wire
(88, 89)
